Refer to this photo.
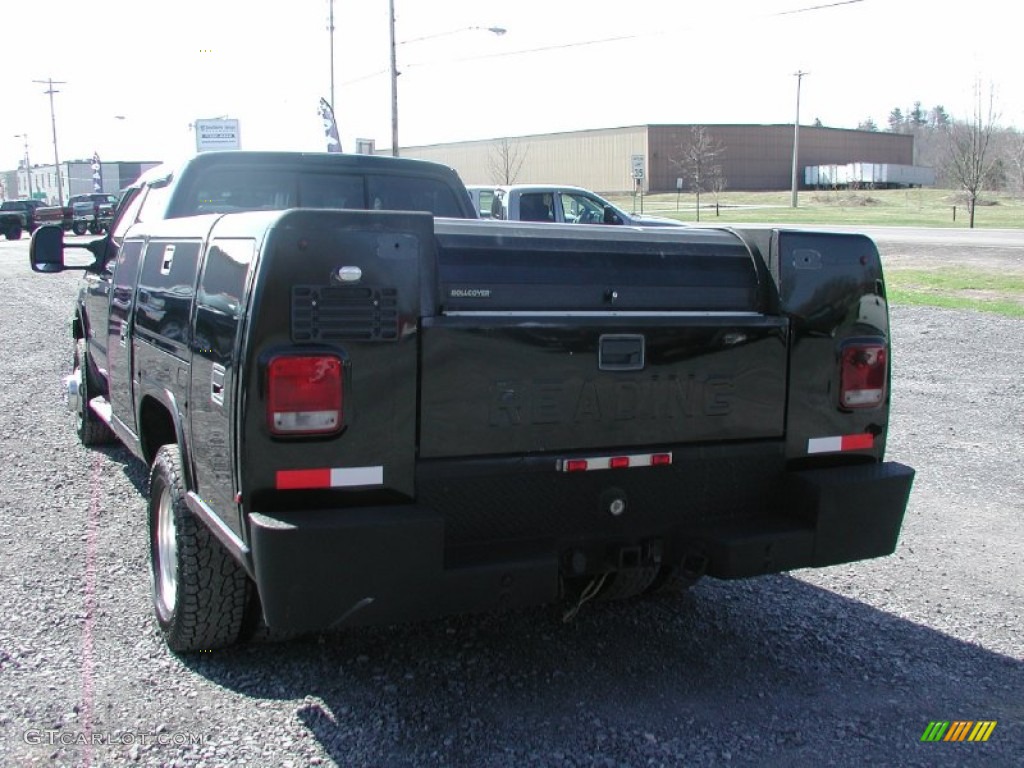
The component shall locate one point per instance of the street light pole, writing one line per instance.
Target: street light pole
(53, 120)
(799, 75)
(499, 31)
(28, 164)
(394, 81)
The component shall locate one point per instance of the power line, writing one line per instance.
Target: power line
(579, 43)
(816, 8)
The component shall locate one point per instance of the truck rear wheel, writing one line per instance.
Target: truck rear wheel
(79, 228)
(13, 232)
(91, 429)
(199, 591)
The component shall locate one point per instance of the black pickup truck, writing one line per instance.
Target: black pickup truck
(18, 216)
(365, 416)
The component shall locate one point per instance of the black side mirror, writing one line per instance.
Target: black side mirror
(46, 251)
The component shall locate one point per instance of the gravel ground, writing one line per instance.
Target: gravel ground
(843, 666)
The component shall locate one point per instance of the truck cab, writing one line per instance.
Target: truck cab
(561, 204)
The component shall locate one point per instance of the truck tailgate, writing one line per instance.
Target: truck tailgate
(587, 338)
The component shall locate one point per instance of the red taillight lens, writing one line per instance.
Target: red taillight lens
(863, 373)
(304, 395)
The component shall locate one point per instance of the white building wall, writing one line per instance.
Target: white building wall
(600, 160)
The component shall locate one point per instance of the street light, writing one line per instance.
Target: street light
(28, 165)
(799, 75)
(499, 31)
(53, 121)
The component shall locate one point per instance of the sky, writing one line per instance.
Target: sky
(136, 73)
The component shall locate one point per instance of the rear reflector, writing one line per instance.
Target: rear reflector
(329, 477)
(863, 373)
(631, 461)
(840, 443)
(304, 394)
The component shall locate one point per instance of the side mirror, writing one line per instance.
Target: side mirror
(46, 251)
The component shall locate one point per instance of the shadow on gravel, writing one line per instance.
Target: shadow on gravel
(744, 673)
(136, 471)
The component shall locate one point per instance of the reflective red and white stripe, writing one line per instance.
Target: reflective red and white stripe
(841, 443)
(630, 461)
(336, 477)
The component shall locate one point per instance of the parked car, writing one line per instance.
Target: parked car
(561, 204)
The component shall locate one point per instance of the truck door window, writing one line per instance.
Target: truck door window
(486, 203)
(154, 205)
(536, 206)
(127, 212)
(581, 209)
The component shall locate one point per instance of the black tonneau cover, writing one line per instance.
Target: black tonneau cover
(569, 268)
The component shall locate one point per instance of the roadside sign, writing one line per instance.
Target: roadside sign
(220, 133)
(638, 166)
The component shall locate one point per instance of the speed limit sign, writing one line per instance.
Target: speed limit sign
(638, 166)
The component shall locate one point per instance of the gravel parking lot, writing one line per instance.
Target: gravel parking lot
(842, 666)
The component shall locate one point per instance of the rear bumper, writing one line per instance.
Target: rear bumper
(325, 568)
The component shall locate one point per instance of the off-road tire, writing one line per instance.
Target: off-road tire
(200, 592)
(13, 232)
(79, 228)
(91, 429)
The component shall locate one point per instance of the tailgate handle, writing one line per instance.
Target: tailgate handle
(621, 352)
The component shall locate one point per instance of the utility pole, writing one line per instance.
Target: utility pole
(799, 75)
(394, 81)
(53, 121)
(330, 29)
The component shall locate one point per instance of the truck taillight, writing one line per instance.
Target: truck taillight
(304, 394)
(864, 370)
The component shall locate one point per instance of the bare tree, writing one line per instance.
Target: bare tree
(506, 160)
(970, 161)
(1015, 158)
(698, 161)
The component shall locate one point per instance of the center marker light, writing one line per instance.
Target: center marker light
(631, 461)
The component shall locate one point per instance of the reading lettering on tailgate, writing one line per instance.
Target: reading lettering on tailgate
(553, 401)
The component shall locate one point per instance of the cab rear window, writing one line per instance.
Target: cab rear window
(232, 190)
